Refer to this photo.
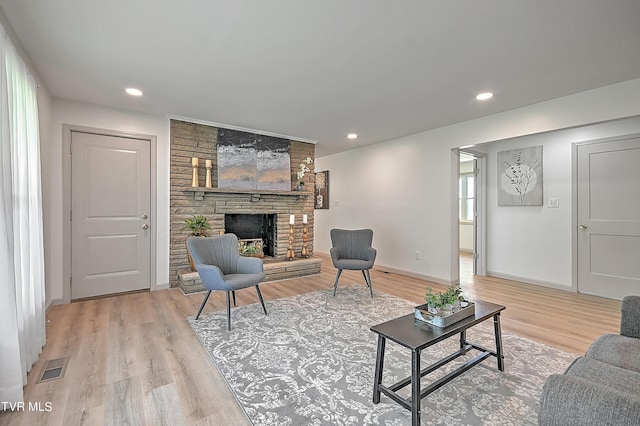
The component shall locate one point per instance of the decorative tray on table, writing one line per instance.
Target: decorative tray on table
(444, 318)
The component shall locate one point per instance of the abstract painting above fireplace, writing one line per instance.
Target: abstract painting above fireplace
(253, 161)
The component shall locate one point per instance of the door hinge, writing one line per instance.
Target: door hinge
(70, 215)
(475, 256)
(70, 148)
(70, 282)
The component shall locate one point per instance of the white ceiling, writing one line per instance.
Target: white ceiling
(319, 69)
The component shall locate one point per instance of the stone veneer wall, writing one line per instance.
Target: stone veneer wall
(197, 140)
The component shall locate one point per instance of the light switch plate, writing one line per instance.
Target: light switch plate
(553, 203)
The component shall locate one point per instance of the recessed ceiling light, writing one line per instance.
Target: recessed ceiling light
(133, 92)
(484, 96)
(352, 136)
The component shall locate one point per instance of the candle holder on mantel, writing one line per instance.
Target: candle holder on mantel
(208, 178)
(304, 253)
(290, 253)
(194, 173)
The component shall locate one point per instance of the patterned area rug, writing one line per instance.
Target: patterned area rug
(311, 362)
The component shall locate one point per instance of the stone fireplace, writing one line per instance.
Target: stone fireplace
(268, 210)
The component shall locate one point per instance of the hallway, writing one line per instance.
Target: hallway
(466, 268)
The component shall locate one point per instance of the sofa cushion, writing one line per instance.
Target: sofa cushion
(572, 401)
(621, 351)
(606, 374)
(630, 317)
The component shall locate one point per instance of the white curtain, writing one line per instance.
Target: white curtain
(22, 291)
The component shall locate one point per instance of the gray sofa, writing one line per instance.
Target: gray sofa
(603, 386)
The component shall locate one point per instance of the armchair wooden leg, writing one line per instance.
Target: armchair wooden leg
(261, 300)
(335, 285)
(228, 312)
(367, 279)
(204, 302)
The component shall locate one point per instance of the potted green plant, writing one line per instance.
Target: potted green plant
(250, 250)
(197, 225)
(444, 302)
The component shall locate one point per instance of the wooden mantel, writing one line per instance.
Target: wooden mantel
(199, 192)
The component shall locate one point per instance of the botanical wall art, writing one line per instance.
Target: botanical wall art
(322, 190)
(252, 161)
(520, 177)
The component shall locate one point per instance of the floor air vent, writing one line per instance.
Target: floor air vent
(53, 369)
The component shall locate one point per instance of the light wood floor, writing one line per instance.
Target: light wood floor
(133, 359)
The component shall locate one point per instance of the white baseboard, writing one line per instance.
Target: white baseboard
(531, 281)
(389, 269)
(162, 286)
(54, 302)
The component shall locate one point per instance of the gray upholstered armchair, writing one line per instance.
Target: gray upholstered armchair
(352, 251)
(221, 267)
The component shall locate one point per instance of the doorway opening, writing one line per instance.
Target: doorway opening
(471, 184)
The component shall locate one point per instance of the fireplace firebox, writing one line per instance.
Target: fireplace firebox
(252, 226)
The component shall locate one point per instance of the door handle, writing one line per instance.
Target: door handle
(144, 216)
(583, 226)
(145, 226)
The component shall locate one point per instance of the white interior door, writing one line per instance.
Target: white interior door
(609, 218)
(110, 207)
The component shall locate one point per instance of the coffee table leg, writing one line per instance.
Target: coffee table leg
(498, 333)
(415, 388)
(463, 339)
(379, 366)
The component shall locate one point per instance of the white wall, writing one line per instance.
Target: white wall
(80, 114)
(466, 237)
(403, 188)
(533, 243)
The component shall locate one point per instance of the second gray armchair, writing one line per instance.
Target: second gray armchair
(352, 251)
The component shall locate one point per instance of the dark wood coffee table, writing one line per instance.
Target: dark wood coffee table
(417, 335)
